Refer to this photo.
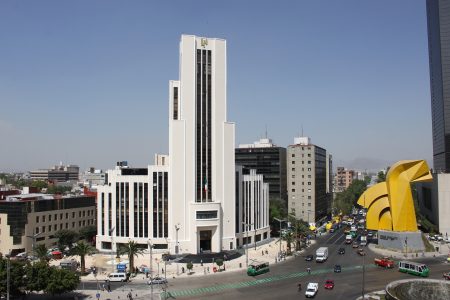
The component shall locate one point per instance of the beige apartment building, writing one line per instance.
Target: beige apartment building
(29, 218)
(309, 180)
(343, 179)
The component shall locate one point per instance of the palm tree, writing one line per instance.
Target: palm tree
(82, 249)
(41, 252)
(131, 249)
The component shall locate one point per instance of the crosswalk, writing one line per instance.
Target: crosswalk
(244, 284)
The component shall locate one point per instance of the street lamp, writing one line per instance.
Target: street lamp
(246, 242)
(112, 258)
(150, 248)
(177, 248)
(33, 245)
(280, 231)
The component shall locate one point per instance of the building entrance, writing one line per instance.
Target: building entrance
(205, 240)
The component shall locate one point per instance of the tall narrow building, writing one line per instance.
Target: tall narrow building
(201, 150)
(438, 14)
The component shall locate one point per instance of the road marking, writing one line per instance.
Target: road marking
(243, 284)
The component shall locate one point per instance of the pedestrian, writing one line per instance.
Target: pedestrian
(162, 270)
(308, 270)
(201, 262)
(267, 252)
(109, 287)
(262, 252)
(182, 269)
(204, 271)
(207, 269)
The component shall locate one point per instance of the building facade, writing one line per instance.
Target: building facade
(201, 150)
(342, 179)
(252, 207)
(57, 174)
(40, 215)
(133, 204)
(268, 160)
(438, 15)
(309, 180)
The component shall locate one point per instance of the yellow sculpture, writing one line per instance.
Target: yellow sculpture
(390, 204)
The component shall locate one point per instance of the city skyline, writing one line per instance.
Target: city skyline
(71, 70)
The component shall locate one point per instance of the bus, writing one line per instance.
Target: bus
(413, 268)
(258, 268)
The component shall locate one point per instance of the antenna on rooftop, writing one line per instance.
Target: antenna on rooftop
(266, 131)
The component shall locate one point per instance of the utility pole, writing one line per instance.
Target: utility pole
(112, 258)
(280, 232)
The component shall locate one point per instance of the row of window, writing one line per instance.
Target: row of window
(303, 155)
(309, 183)
(303, 169)
(303, 162)
(303, 204)
(83, 214)
(303, 176)
(54, 227)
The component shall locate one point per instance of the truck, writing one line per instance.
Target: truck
(311, 289)
(384, 262)
(322, 254)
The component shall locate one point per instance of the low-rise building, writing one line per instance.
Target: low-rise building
(28, 217)
(57, 173)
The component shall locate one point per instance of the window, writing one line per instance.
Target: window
(73, 224)
(37, 219)
(293, 162)
(309, 154)
(79, 223)
(67, 215)
(55, 227)
(309, 169)
(309, 182)
(49, 228)
(309, 176)
(73, 214)
(79, 214)
(293, 175)
(49, 218)
(309, 204)
(293, 190)
(293, 155)
(56, 217)
(309, 162)
(293, 169)
(43, 228)
(303, 162)
(84, 214)
(309, 190)
(207, 214)
(309, 197)
(67, 225)
(43, 218)
(60, 216)
(37, 230)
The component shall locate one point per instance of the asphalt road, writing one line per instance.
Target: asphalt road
(283, 278)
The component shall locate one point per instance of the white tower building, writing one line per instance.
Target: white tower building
(201, 150)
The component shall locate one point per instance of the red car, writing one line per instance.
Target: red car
(329, 284)
(446, 276)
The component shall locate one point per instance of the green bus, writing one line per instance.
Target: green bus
(413, 268)
(258, 268)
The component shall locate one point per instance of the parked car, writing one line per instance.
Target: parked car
(157, 280)
(329, 284)
(309, 257)
(341, 251)
(337, 269)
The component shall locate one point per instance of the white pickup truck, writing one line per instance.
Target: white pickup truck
(311, 289)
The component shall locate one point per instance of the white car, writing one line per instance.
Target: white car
(157, 280)
(311, 289)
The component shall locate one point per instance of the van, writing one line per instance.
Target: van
(121, 277)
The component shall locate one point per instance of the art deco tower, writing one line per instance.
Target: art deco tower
(201, 150)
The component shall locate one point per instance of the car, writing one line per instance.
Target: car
(370, 234)
(157, 280)
(337, 269)
(311, 289)
(309, 257)
(329, 284)
(355, 245)
(361, 252)
(446, 276)
(341, 251)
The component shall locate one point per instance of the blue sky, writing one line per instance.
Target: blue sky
(86, 82)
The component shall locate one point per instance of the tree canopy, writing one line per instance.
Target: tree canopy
(345, 200)
(82, 249)
(66, 238)
(131, 249)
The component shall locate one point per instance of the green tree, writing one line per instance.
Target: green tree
(345, 200)
(131, 249)
(289, 238)
(17, 272)
(189, 266)
(37, 276)
(276, 209)
(381, 177)
(82, 249)
(66, 238)
(41, 252)
(39, 184)
(61, 281)
(88, 233)
(219, 262)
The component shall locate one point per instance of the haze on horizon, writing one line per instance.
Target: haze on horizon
(86, 82)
